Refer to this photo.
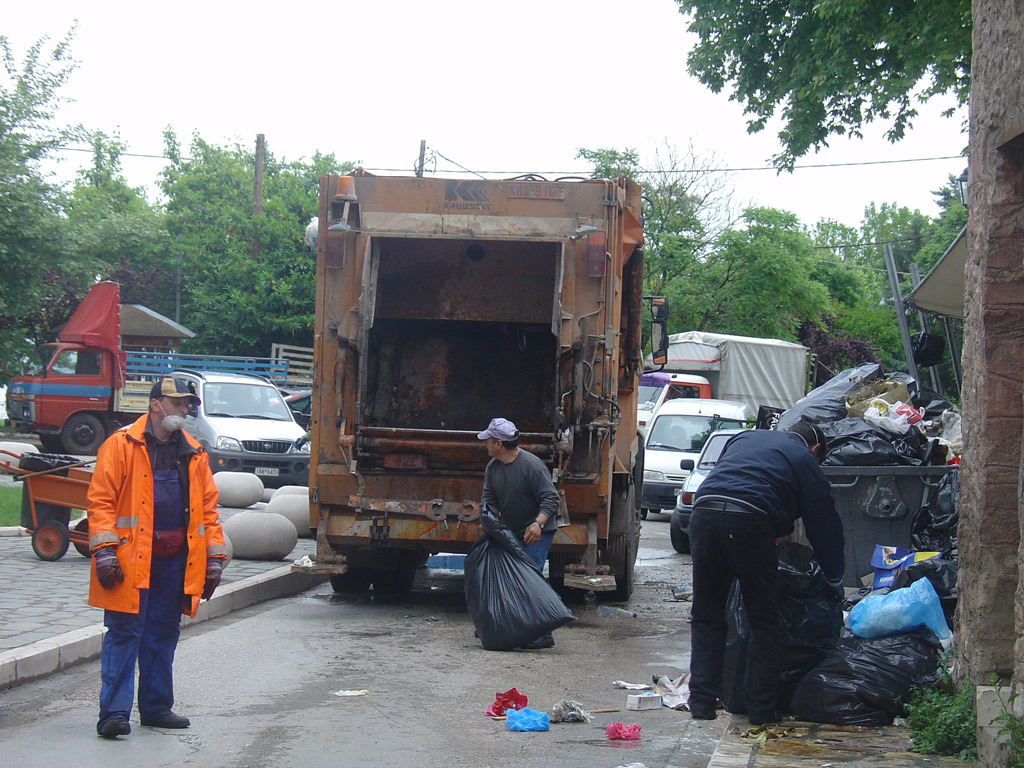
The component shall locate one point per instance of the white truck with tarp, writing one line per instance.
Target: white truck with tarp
(768, 373)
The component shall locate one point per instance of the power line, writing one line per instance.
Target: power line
(653, 171)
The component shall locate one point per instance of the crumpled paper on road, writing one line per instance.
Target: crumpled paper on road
(569, 711)
(674, 693)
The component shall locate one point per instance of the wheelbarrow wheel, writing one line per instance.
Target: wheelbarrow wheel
(50, 540)
(82, 526)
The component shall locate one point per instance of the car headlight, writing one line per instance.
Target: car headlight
(301, 448)
(228, 444)
(653, 474)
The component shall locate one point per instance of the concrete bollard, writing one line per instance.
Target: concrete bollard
(228, 547)
(295, 490)
(295, 508)
(260, 535)
(237, 489)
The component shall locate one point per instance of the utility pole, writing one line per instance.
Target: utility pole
(915, 278)
(901, 315)
(257, 192)
(423, 152)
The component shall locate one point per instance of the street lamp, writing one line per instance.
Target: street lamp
(961, 185)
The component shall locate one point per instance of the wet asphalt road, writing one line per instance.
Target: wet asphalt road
(260, 686)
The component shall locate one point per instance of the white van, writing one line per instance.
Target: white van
(679, 431)
(245, 426)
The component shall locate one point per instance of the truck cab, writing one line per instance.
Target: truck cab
(76, 386)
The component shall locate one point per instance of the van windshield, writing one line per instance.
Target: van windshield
(244, 401)
(673, 432)
(648, 396)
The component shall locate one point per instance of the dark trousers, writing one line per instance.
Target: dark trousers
(148, 637)
(724, 546)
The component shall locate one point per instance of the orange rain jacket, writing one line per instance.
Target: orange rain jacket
(121, 514)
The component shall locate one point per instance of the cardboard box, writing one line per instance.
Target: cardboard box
(643, 701)
(887, 562)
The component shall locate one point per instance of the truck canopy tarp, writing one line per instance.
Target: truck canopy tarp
(97, 323)
(754, 371)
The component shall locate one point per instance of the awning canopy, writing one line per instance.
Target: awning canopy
(942, 290)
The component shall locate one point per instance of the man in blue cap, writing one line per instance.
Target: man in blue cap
(157, 549)
(518, 485)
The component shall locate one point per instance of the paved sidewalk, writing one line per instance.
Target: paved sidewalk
(45, 624)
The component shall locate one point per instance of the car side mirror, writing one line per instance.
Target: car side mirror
(686, 464)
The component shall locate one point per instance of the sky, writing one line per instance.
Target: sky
(500, 89)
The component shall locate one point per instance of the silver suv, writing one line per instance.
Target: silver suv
(245, 426)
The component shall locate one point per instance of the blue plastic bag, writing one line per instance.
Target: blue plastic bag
(902, 610)
(527, 719)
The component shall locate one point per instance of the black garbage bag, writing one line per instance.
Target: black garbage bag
(941, 573)
(866, 681)
(912, 448)
(934, 528)
(827, 403)
(45, 512)
(812, 620)
(927, 348)
(509, 600)
(854, 442)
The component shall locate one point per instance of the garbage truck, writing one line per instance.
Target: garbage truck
(441, 304)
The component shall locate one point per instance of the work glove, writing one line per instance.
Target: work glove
(108, 570)
(213, 569)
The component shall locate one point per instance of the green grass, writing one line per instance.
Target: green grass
(10, 505)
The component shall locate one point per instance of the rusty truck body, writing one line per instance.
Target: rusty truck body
(441, 304)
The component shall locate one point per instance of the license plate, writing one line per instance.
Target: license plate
(267, 471)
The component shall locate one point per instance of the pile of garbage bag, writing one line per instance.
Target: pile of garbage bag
(895, 634)
(812, 621)
(872, 418)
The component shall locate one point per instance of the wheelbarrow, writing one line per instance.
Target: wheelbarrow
(47, 498)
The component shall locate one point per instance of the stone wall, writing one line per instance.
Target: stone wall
(989, 610)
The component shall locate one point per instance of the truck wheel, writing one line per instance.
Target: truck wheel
(394, 582)
(622, 547)
(83, 433)
(353, 581)
(51, 443)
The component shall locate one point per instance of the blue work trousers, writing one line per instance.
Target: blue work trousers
(149, 637)
(538, 553)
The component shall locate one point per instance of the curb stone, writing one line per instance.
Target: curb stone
(44, 657)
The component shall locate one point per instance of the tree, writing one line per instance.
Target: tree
(234, 303)
(686, 205)
(38, 272)
(756, 282)
(115, 229)
(830, 66)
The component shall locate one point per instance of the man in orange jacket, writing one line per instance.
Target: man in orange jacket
(157, 549)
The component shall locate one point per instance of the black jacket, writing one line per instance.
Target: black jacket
(774, 474)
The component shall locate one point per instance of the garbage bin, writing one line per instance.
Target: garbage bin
(877, 506)
(37, 462)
